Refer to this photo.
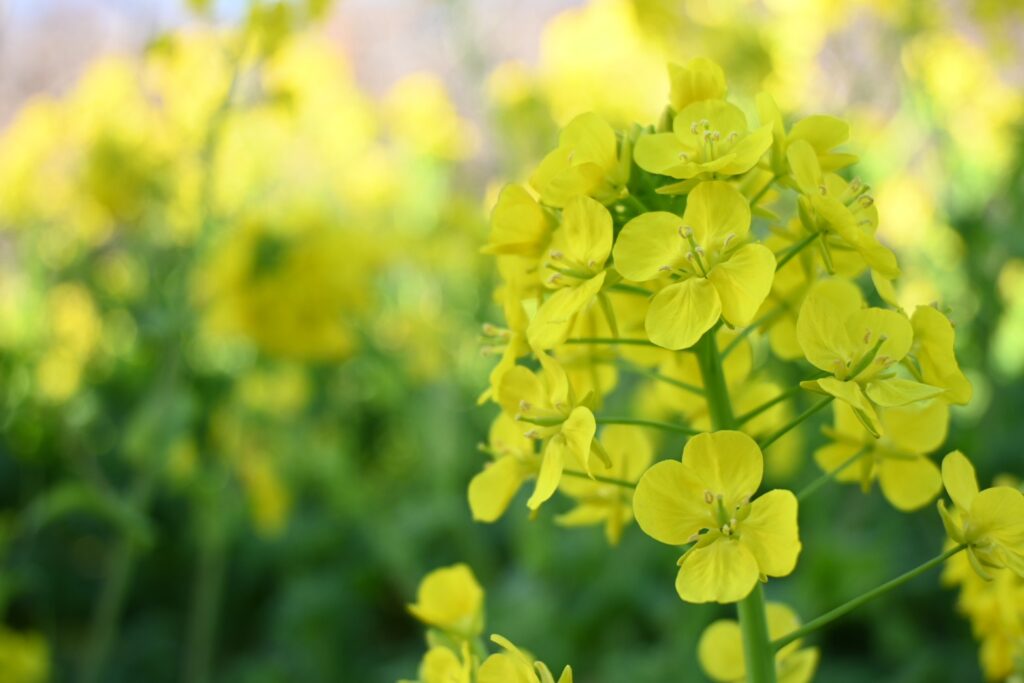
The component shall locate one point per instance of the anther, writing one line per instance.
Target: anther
(524, 406)
(867, 201)
(557, 255)
(709, 497)
(728, 238)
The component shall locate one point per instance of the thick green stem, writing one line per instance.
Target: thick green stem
(207, 588)
(758, 654)
(828, 617)
(639, 422)
(757, 650)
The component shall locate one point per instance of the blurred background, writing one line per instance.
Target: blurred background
(241, 295)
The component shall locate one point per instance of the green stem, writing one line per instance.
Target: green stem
(830, 475)
(604, 480)
(207, 588)
(795, 422)
(757, 651)
(830, 616)
(108, 610)
(758, 654)
(609, 340)
(794, 250)
(667, 426)
(751, 414)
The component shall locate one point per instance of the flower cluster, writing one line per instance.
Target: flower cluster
(675, 270)
(450, 603)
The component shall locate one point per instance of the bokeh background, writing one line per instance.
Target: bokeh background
(241, 295)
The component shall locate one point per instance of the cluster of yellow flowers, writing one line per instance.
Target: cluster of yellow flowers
(665, 253)
(450, 603)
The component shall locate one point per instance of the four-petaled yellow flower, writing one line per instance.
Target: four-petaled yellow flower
(707, 500)
(898, 460)
(990, 522)
(629, 451)
(860, 348)
(548, 404)
(932, 351)
(720, 650)
(708, 137)
(707, 268)
(514, 666)
(585, 163)
(577, 256)
(450, 599)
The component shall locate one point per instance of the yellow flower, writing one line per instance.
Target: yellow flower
(630, 453)
(858, 346)
(842, 211)
(898, 460)
(24, 657)
(491, 491)
(707, 268)
(933, 351)
(708, 136)
(706, 500)
(720, 650)
(451, 600)
(698, 79)
(514, 666)
(823, 133)
(585, 163)
(990, 522)
(518, 224)
(442, 665)
(578, 253)
(548, 403)
(509, 341)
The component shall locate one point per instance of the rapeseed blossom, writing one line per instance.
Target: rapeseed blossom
(708, 500)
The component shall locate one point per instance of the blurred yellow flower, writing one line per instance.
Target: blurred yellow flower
(450, 599)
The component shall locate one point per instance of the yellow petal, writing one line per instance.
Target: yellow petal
(591, 140)
(748, 150)
(899, 392)
(959, 479)
(630, 450)
(588, 229)
(917, 428)
(450, 599)
(934, 335)
(555, 317)
(647, 243)
(579, 431)
(518, 384)
(770, 532)
(803, 164)
(440, 665)
(909, 484)
(669, 503)
(518, 224)
(558, 179)
(680, 314)
(716, 210)
(723, 572)
(492, 489)
(819, 326)
(998, 514)
(851, 393)
(726, 462)
(698, 79)
(821, 131)
(720, 651)
(551, 466)
(831, 456)
(743, 282)
(503, 668)
(798, 667)
(664, 154)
